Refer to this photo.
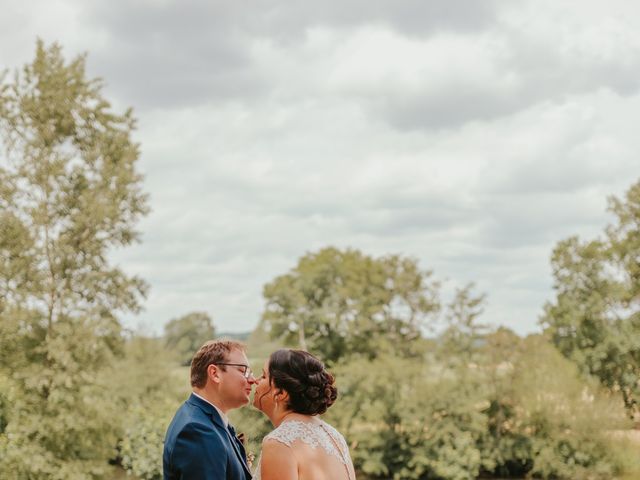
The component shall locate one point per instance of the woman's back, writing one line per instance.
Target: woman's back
(319, 449)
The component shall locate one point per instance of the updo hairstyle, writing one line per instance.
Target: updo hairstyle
(310, 387)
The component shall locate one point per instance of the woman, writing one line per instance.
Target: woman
(293, 390)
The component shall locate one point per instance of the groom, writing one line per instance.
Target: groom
(200, 444)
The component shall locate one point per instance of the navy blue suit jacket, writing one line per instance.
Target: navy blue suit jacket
(199, 447)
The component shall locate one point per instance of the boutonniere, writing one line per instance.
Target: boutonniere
(250, 458)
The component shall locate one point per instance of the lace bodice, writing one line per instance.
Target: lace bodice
(314, 434)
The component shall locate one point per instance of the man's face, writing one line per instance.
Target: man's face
(234, 387)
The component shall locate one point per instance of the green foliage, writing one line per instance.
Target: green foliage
(405, 421)
(147, 391)
(186, 334)
(140, 448)
(54, 440)
(566, 418)
(595, 319)
(470, 403)
(518, 409)
(506, 444)
(339, 303)
(459, 342)
(69, 193)
(260, 346)
(6, 388)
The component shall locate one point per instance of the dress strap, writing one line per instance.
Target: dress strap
(343, 449)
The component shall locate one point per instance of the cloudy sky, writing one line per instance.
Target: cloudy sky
(470, 135)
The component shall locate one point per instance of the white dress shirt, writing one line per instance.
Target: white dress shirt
(224, 417)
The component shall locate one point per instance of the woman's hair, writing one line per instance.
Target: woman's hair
(310, 387)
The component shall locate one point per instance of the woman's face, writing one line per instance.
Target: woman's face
(263, 396)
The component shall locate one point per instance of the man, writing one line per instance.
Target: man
(200, 444)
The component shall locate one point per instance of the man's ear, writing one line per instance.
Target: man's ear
(213, 373)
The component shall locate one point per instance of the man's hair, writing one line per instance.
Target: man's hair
(214, 351)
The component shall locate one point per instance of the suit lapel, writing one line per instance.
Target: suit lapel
(240, 452)
(215, 417)
(237, 441)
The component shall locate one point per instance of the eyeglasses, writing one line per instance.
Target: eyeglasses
(244, 369)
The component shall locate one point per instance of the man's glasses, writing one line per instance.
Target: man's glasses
(244, 369)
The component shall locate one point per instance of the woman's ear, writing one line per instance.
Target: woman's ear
(281, 395)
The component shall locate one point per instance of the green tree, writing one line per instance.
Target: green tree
(342, 302)
(544, 418)
(69, 194)
(460, 341)
(186, 334)
(404, 421)
(147, 388)
(595, 317)
(520, 409)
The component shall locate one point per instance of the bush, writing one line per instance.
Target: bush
(545, 420)
(402, 423)
(148, 390)
(524, 411)
(141, 447)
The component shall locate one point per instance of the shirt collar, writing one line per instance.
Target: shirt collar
(223, 416)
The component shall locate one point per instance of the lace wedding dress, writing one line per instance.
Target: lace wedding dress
(316, 435)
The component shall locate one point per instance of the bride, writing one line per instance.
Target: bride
(293, 390)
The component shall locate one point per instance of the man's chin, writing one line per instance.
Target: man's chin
(247, 400)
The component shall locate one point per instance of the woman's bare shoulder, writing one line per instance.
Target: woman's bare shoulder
(277, 461)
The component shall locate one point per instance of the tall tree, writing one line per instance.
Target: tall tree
(595, 318)
(460, 342)
(69, 193)
(342, 302)
(186, 334)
